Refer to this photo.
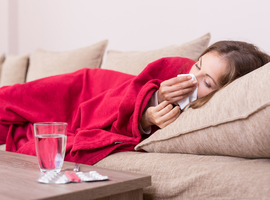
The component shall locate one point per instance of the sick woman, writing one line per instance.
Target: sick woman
(109, 111)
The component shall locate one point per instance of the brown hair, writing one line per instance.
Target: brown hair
(241, 57)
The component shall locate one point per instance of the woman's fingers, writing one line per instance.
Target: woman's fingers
(175, 89)
(179, 94)
(165, 114)
(170, 117)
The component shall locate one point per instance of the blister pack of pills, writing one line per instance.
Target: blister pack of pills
(71, 177)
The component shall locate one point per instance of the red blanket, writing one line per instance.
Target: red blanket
(102, 108)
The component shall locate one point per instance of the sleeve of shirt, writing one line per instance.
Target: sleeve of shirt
(152, 102)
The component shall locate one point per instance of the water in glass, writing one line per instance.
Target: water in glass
(51, 150)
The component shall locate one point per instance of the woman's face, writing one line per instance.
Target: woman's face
(207, 72)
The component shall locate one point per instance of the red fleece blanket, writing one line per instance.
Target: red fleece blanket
(102, 108)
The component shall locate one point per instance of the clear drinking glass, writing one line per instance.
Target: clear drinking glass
(50, 141)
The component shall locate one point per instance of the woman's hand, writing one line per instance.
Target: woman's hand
(175, 89)
(161, 115)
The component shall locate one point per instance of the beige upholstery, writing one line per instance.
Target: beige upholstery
(2, 58)
(45, 63)
(13, 70)
(183, 176)
(2, 147)
(135, 62)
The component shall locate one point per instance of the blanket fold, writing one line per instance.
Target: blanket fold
(102, 108)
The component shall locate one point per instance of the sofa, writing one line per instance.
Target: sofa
(219, 151)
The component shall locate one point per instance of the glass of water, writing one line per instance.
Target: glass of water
(50, 142)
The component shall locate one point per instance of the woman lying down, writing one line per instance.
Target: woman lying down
(109, 111)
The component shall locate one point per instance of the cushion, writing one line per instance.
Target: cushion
(234, 122)
(134, 62)
(2, 58)
(184, 176)
(14, 69)
(45, 63)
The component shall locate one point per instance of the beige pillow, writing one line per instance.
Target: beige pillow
(2, 58)
(135, 62)
(14, 70)
(44, 63)
(235, 122)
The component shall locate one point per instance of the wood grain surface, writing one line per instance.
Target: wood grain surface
(19, 174)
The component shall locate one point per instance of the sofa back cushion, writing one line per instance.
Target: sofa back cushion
(2, 58)
(134, 62)
(13, 70)
(45, 63)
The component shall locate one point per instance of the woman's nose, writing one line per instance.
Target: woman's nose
(198, 78)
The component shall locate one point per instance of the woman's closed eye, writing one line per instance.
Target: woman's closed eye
(207, 84)
(198, 67)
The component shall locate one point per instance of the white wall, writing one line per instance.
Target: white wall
(138, 25)
(4, 26)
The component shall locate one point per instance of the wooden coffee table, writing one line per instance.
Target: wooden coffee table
(19, 174)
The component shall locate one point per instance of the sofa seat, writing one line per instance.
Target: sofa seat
(187, 176)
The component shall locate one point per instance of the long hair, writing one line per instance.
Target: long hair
(241, 57)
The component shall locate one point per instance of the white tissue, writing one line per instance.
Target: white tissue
(183, 102)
